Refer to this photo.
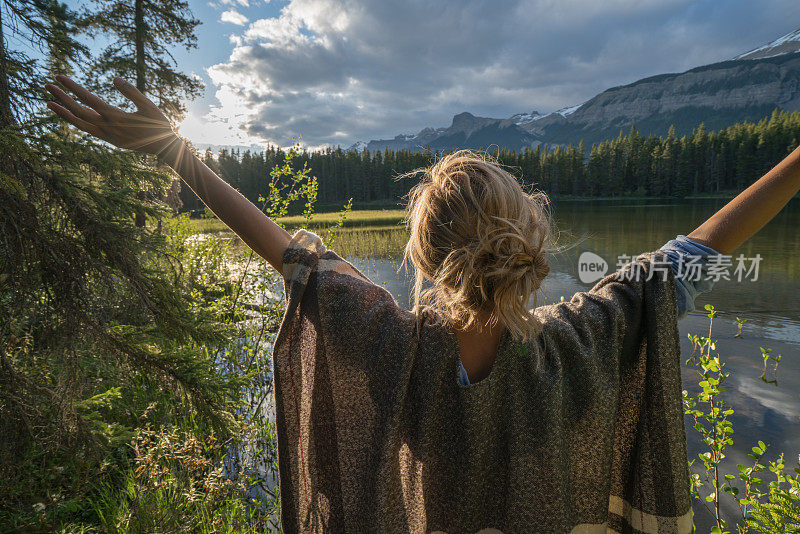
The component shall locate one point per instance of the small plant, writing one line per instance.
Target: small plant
(774, 508)
(333, 231)
(177, 484)
(767, 357)
(740, 325)
(711, 421)
(287, 185)
(781, 511)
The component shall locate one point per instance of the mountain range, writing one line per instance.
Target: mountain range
(747, 87)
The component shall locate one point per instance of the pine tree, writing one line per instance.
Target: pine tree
(630, 164)
(95, 323)
(141, 32)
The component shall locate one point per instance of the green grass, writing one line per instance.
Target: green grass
(380, 242)
(358, 218)
(375, 233)
(376, 219)
(207, 226)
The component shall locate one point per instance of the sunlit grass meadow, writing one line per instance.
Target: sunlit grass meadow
(356, 218)
(377, 242)
(374, 233)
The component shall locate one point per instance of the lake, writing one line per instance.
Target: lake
(770, 304)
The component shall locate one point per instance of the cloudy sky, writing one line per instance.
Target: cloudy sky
(340, 71)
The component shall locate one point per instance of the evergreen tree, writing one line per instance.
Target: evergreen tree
(96, 326)
(703, 162)
(141, 32)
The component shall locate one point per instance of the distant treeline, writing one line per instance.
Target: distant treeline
(696, 164)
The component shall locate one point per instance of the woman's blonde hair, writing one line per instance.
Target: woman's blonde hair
(480, 239)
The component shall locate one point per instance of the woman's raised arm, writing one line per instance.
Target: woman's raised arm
(148, 130)
(754, 207)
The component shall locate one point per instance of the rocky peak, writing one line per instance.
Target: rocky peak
(464, 121)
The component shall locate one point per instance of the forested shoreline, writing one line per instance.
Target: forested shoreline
(630, 165)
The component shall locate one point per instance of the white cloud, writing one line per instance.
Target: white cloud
(337, 71)
(234, 17)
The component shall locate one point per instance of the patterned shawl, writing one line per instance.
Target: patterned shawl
(580, 430)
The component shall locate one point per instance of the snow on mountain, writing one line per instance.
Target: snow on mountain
(524, 118)
(465, 123)
(358, 146)
(788, 44)
(567, 111)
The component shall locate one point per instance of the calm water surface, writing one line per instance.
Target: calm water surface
(770, 304)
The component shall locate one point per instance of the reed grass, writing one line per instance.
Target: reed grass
(207, 226)
(358, 218)
(379, 219)
(366, 233)
(376, 242)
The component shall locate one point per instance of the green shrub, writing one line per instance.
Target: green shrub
(762, 508)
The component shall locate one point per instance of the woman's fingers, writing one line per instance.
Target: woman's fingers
(132, 93)
(76, 109)
(91, 100)
(146, 130)
(65, 114)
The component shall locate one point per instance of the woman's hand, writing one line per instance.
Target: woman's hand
(147, 130)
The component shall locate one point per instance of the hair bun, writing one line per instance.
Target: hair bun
(541, 266)
(522, 260)
(535, 264)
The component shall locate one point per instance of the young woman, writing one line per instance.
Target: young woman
(471, 412)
